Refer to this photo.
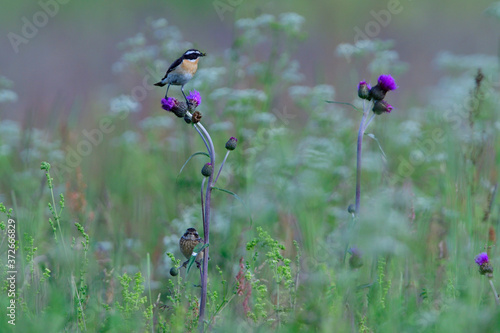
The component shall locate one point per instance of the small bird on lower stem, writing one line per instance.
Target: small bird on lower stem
(187, 243)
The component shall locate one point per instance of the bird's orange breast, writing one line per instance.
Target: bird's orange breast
(188, 66)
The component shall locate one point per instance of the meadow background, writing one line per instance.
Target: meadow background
(279, 258)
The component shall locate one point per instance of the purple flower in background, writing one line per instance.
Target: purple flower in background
(356, 259)
(168, 104)
(484, 264)
(386, 83)
(481, 258)
(194, 97)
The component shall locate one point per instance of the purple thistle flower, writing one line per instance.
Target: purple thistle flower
(387, 83)
(482, 258)
(354, 251)
(168, 104)
(194, 97)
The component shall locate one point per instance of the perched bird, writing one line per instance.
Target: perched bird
(188, 241)
(181, 70)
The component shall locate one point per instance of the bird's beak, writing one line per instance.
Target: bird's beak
(203, 54)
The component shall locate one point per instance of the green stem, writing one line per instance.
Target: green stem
(497, 299)
(358, 157)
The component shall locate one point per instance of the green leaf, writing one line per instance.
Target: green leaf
(190, 157)
(350, 104)
(229, 192)
(238, 198)
(197, 249)
(374, 138)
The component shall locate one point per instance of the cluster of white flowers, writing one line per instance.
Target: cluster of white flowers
(318, 153)
(292, 21)
(240, 95)
(362, 47)
(127, 138)
(407, 132)
(461, 63)
(494, 10)
(208, 77)
(123, 103)
(7, 95)
(158, 122)
(316, 95)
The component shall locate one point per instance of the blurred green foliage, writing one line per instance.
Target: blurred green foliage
(279, 258)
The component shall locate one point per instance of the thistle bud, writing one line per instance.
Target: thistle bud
(485, 269)
(173, 105)
(364, 90)
(231, 143)
(174, 271)
(207, 170)
(381, 106)
(356, 260)
(377, 93)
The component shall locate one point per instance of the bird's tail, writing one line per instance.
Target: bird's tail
(160, 84)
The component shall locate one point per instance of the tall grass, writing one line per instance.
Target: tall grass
(278, 256)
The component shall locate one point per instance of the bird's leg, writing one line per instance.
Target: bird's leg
(166, 94)
(187, 102)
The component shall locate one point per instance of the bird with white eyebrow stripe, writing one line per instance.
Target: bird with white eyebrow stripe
(181, 71)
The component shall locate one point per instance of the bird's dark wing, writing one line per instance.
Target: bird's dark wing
(173, 66)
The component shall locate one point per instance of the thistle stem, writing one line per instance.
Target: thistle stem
(202, 136)
(221, 166)
(206, 223)
(358, 156)
(369, 121)
(202, 207)
(497, 299)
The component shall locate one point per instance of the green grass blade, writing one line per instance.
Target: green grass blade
(229, 192)
(350, 104)
(374, 138)
(190, 157)
(237, 198)
(197, 249)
